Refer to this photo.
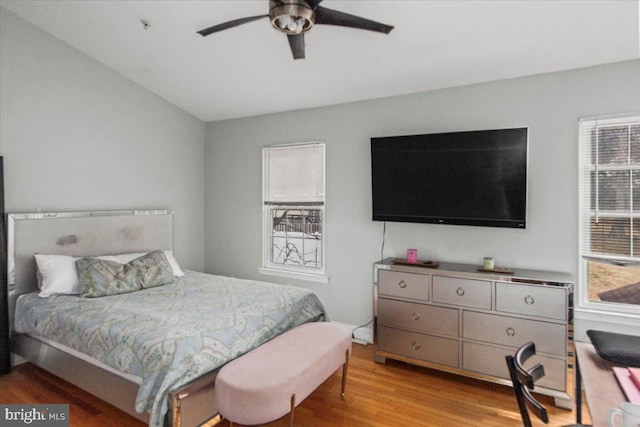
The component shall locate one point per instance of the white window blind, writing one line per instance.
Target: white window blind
(294, 174)
(293, 210)
(610, 189)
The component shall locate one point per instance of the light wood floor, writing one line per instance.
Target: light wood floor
(395, 394)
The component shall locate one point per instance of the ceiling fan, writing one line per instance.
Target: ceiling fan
(295, 17)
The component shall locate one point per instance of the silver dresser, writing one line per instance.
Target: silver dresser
(459, 319)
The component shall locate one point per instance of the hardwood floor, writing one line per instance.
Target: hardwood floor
(395, 394)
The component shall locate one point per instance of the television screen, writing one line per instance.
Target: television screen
(465, 178)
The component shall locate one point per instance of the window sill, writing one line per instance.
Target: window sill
(601, 319)
(321, 278)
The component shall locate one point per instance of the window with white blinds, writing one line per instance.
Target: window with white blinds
(293, 209)
(610, 205)
(610, 188)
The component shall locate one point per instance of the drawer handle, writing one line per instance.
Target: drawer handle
(511, 332)
(415, 316)
(415, 346)
(402, 284)
(460, 291)
(529, 300)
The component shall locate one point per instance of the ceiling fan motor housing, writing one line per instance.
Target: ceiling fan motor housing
(291, 16)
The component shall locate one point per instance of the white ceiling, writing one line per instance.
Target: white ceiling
(248, 70)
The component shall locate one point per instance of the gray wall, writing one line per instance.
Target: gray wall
(76, 135)
(549, 105)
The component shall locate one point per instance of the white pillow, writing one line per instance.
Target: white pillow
(177, 271)
(59, 274)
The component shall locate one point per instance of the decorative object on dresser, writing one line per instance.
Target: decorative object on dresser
(5, 360)
(459, 320)
(503, 270)
(489, 263)
(412, 256)
(417, 263)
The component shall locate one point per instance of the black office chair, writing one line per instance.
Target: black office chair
(523, 380)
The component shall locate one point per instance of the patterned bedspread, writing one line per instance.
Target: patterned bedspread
(170, 335)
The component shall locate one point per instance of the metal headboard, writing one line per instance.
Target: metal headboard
(79, 234)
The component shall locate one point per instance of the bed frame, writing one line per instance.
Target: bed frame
(92, 234)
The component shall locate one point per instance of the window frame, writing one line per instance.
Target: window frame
(586, 212)
(268, 267)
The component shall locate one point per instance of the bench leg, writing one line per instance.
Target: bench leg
(344, 372)
(293, 408)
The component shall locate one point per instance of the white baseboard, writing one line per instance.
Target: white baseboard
(17, 360)
(361, 335)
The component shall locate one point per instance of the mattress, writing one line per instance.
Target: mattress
(170, 335)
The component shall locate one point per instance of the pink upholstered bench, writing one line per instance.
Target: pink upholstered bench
(271, 380)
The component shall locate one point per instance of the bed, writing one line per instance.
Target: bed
(158, 348)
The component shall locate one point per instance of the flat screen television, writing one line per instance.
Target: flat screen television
(463, 178)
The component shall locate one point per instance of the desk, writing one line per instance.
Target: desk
(600, 385)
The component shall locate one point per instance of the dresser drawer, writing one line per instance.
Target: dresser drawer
(443, 351)
(463, 292)
(419, 317)
(543, 301)
(510, 331)
(405, 285)
(491, 361)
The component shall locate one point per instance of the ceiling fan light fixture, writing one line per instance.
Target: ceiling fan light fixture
(284, 21)
(291, 17)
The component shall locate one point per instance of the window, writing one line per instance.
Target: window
(610, 213)
(293, 210)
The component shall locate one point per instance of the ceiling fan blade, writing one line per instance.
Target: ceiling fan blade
(230, 24)
(296, 43)
(333, 17)
(313, 3)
